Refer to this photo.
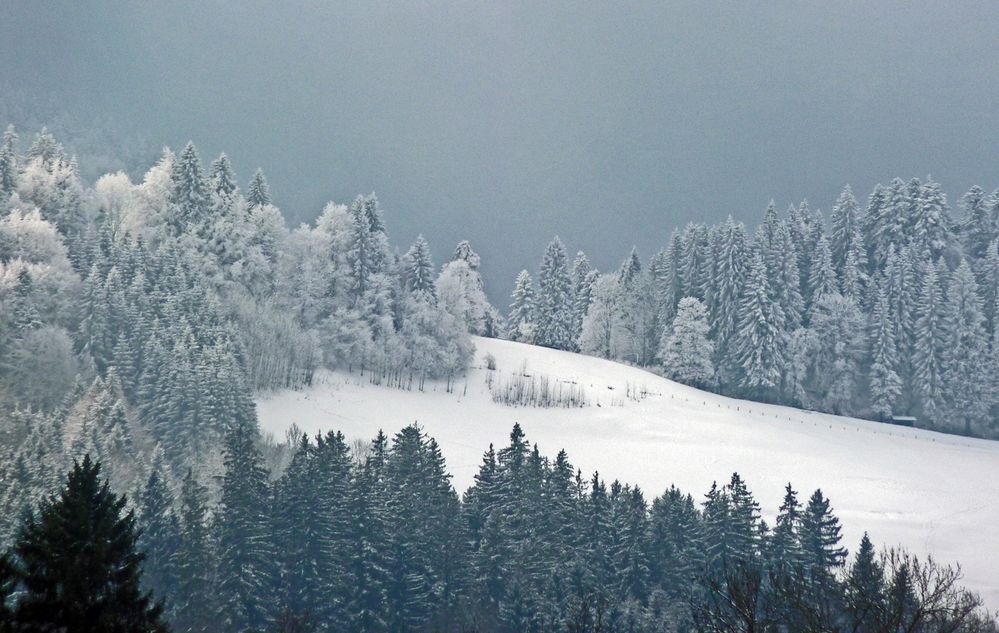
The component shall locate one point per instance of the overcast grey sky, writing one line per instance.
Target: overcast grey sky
(504, 123)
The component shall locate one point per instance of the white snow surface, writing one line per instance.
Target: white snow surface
(929, 492)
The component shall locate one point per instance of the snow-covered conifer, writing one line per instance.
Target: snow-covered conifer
(686, 351)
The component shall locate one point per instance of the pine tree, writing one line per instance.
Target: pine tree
(836, 322)
(822, 281)
(258, 193)
(930, 229)
(686, 350)
(845, 230)
(193, 606)
(879, 226)
(978, 228)
(521, 319)
(581, 288)
(865, 585)
(885, 384)
(761, 337)
(77, 562)
(730, 278)
(8, 163)
(245, 572)
(160, 536)
(820, 540)
(784, 546)
(930, 338)
(189, 194)
(554, 300)
(966, 372)
(786, 278)
(418, 268)
(744, 520)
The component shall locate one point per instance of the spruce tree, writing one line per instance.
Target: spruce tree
(686, 351)
(418, 268)
(730, 278)
(8, 163)
(784, 548)
(194, 608)
(581, 288)
(866, 605)
(930, 229)
(966, 371)
(160, 536)
(844, 229)
(77, 562)
(521, 319)
(930, 338)
(761, 336)
(245, 580)
(885, 384)
(258, 193)
(189, 193)
(819, 540)
(978, 228)
(822, 280)
(554, 299)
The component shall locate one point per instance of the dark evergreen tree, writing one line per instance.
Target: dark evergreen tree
(245, 571)
(193, 602)
(77, 562)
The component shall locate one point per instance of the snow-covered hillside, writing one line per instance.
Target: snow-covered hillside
(927, 491)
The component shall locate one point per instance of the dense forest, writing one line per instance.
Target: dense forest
(886, 311)
(378, 540)
(138, 321)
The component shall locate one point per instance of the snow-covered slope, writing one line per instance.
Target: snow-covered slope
(927, 491)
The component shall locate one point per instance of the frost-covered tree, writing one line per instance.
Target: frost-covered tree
(597, 337)
(189, 199)
(966, 367)
(731, 267)
(930, 338)
(839, 328)
(822, 280)
(8, 163)
(786, 278)
(554, 299)
(930, 228)
(761, 338)
(885, 384)
(520, 321)
(978, 227)
(686, 351)
(581, 288)
(845, 231)
(258, 192)
(459, 291)
(418, 267)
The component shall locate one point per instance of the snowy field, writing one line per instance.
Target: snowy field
(927, 491)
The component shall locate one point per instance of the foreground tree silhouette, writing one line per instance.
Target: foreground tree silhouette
(77, 566)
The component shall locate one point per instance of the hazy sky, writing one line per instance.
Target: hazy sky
(608, 123)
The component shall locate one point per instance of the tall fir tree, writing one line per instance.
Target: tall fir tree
(77, 562)
(686, 351)
(930, 337)
(554, 299)
(966, 372)
(189, 199)
(521, 319)
(245, 576)
(884, 381)
(258, 192)
(761, 337)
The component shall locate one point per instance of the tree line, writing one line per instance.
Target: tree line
(887, 310)
(377, 539)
